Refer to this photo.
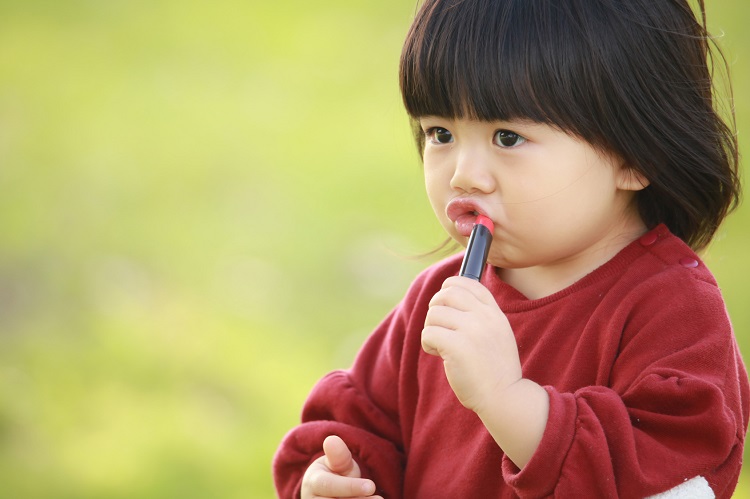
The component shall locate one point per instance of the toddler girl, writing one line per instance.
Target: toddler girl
(595, 358)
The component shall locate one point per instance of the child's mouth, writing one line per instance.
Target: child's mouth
(465, 223)
(463, 212)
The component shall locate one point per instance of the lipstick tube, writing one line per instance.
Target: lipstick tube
(475, 258)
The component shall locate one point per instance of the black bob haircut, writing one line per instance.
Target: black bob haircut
(634, 77)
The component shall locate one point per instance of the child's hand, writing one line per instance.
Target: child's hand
(466, 328)
(335, 474)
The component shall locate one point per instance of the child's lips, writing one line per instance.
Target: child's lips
(465, 223)
(463, 213)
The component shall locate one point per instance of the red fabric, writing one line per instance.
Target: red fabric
(646, 385)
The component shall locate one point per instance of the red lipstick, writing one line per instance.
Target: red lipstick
(478, 248)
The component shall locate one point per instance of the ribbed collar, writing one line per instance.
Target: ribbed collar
(512, 300)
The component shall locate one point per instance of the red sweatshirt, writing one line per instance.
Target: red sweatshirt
(646, 384)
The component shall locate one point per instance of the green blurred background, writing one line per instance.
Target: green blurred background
(205, 206)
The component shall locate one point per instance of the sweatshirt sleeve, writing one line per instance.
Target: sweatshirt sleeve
(337, 407)
(675, 408)
(362, 405)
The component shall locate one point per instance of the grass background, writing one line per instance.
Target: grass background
(204, 207)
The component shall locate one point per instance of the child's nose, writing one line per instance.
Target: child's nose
(473, 173)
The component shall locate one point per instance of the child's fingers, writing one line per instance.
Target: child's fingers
(335, 474)
(476, 288)
(454, 297)
(345, 480)
(447, 314)
(435, 339)
(328, 485)
(360, 497)
(444, 316)
(339, 457)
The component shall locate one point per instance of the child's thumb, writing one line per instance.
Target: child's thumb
(338, 457)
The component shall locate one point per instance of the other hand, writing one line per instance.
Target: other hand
(335, 474)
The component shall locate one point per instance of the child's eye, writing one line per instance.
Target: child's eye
(506, 138)
(439, 135)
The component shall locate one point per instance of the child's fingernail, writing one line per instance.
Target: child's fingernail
(368, 488)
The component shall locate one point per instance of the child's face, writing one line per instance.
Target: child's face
(552, 197)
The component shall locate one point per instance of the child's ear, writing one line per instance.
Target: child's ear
(629, 179)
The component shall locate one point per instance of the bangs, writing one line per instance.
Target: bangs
(494, 60)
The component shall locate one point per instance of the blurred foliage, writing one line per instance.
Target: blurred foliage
(205, 206)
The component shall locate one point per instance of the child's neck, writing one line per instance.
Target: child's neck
(544, 280)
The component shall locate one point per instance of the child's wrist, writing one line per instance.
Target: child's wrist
(504, 399)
